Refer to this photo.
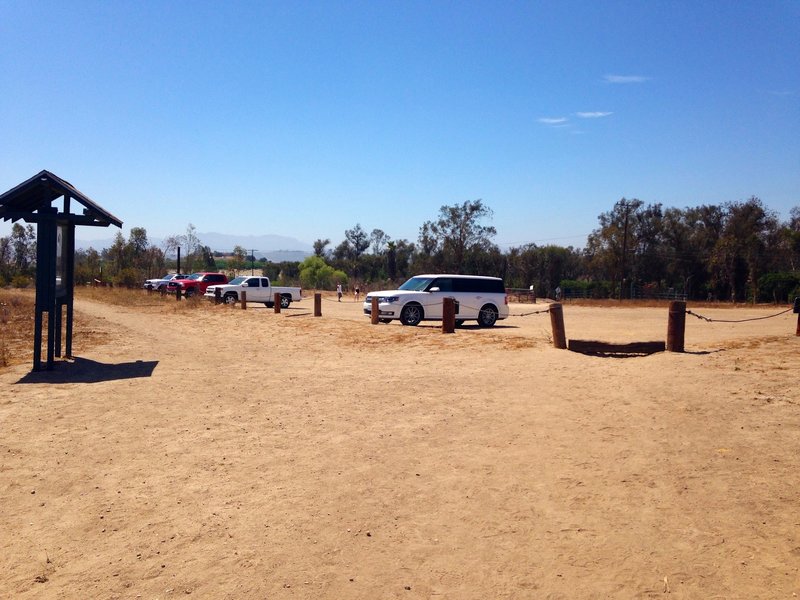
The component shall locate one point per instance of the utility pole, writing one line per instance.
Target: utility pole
(252, 262)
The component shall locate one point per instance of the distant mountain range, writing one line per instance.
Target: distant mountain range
(275, 248)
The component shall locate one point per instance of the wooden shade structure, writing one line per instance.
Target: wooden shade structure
(32, 202)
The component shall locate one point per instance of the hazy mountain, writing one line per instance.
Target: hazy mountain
(276, 248)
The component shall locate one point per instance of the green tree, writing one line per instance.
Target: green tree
(319, 246)
(358, 241)
(315, 273)
(379, 241)
(237, 260)
(23, 242)
(742, 251)
(457, 231)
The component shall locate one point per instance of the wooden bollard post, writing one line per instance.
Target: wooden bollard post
(178, 294)
(317, 304)
(244, 300)
(374, 317)
(217, 295)
(676, 326)
(276, 303)
(557, 323)
(796, 308)
(448, 315)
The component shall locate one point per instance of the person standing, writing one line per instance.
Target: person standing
(339, 290)
(357, 293)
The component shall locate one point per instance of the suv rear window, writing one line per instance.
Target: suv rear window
(482, 286)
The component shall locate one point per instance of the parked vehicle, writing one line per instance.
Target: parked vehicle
(421, 298)
(196, 284)
(259, 289)
(158, 284)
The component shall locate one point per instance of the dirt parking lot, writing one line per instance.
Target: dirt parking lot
(222, 453)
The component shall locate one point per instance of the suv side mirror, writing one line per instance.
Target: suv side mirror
(245, 284)
(435, 289)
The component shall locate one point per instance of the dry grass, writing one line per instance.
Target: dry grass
(16, 326)
(17, 313)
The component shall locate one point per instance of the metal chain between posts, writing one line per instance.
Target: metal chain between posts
(709, 320)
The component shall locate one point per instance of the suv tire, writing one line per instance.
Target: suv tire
(488, 316)
(411, 315)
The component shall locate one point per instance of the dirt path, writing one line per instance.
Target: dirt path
(242, 454)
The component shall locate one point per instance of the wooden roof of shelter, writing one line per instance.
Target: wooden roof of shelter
(40, 191)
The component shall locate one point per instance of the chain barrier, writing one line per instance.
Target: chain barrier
(535, 312)
(709, 320)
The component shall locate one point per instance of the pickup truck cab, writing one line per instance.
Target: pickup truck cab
(196, 283)
(259, 289)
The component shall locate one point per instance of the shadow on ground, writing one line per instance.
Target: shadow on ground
(83, 370)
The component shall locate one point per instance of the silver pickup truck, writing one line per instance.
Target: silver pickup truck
(259, 289)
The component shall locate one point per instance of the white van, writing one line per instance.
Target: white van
(421, 298)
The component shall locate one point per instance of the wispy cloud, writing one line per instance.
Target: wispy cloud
(625, 78)
(553, 121)
(593, 115)
(780, 93)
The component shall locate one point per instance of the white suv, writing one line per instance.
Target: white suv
(421, 297)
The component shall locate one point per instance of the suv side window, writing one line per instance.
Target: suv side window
(464, 285)
(253, 282)
(445, 284)
(265, 282)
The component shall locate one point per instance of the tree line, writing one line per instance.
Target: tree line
(737, 251)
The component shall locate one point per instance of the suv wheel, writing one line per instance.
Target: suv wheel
(230, 298)
(285, 301)
(411, 315)
(488, 316)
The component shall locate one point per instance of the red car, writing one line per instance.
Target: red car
(196, 283)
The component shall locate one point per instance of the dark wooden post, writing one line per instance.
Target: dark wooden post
(448, 315)
(374, 316)
(178, 293)
(557, 323)
(676, 326)
(217, 295)
(796, 308)
(276, 303)
(317, 304)
(244, 300)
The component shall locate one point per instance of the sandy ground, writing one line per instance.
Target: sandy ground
(222, 453)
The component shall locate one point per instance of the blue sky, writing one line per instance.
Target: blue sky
(305, 118)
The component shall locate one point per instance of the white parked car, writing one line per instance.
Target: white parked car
(421, 298)
(161, 282)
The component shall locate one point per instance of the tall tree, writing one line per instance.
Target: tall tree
(23, 241)
(319, 246)
(457, 230)
(749, 230)
(379, 240)
(358, 240)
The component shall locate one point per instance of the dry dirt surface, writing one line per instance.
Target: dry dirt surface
(229, 454)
